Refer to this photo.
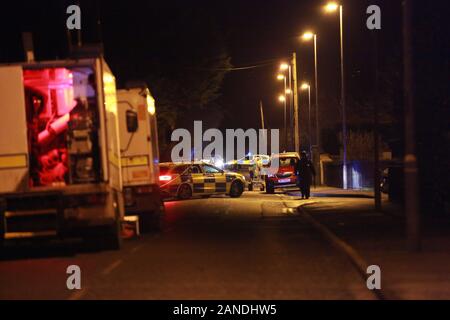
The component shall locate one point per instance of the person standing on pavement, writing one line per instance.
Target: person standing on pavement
(305, 174)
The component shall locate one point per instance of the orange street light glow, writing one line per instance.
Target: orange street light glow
(288, 91)
(331, 7)
(284, 66)
(280, 77)
(282, 98)
(307, 36)
(305, 86)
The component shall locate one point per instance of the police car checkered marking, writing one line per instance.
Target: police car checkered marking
(199, 187)
(221, 187)
(204, 183)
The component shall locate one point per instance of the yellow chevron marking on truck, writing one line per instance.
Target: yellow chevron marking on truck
(13, 161)
(134, 161)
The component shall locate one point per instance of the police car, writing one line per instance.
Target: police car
(250, 167)
(185, 180)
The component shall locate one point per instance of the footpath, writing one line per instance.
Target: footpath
(348, 220)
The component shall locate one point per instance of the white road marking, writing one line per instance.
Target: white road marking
(111, 267)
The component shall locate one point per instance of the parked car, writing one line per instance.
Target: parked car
(283, 175)
(185, 180)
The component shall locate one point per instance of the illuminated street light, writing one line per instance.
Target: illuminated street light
(284, 66)
(331, 7)
(308, 36)
(282, 98)
(305, 86)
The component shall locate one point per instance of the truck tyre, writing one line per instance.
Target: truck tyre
(184, 192)
(103, 238)
(107, 237)
(151, 221)
(112, 239)
(236, 189)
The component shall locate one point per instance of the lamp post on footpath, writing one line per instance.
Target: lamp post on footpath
(306, 86)
(307, 36)
(333, 7)
(282, 98)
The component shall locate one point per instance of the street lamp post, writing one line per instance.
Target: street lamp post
(282, 98)
(306, 37)
(332, 7)
(288, 91)
(306, 86)
(291, 105)
(295, 100)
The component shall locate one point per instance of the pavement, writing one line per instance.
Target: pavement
(379, 239)
(258, 246)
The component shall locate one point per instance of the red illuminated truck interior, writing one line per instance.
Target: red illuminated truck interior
(62, 123)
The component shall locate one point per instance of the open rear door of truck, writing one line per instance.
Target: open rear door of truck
(13, 131)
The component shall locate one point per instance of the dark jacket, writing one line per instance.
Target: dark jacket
(305, 171)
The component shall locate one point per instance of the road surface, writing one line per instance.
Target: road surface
(253, 247)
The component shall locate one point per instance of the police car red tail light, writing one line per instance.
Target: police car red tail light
(165, 178)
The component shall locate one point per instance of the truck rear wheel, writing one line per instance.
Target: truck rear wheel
(150, 222)
(107, 237)
(103, 238)
(112, 239)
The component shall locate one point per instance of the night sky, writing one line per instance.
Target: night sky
(253, 32)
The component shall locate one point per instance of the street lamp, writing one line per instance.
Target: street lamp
(306, 86)
(307, 36)
(283, 77)
(283, 68)
(329, 8)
